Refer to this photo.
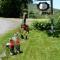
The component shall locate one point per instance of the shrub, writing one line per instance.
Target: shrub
(41, 25)
(44, 26)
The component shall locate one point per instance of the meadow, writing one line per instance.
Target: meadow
(39, 47)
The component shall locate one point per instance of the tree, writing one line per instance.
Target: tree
(13, 8)
(30, 1)
(10, 8)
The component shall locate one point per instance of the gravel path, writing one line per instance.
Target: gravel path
(7, 24)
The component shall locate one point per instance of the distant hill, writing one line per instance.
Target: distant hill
(32, 8)
(56, 10)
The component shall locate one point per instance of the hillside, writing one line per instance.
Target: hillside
(41, 48)
(32, 8)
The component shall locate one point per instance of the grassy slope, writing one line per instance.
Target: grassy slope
(39, 47)
(5, 38)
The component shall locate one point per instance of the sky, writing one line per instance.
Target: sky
(56, 3)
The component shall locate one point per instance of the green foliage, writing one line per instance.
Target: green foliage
(39, 47)
(57, 25)
(41, 25)
(47, 26)
(12, 8)
(5, 38)
(55, 20)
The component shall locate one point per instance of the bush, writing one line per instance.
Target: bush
(57, 26)
(47, 26)
(41, 25)
(12, 8)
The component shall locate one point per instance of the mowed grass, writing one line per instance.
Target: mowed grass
(5, 38)
(39, 47)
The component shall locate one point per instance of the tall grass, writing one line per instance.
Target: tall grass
(39, 47)
(5, 38)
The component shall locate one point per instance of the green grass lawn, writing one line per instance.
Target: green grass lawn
(39, 47)
(5, 38)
